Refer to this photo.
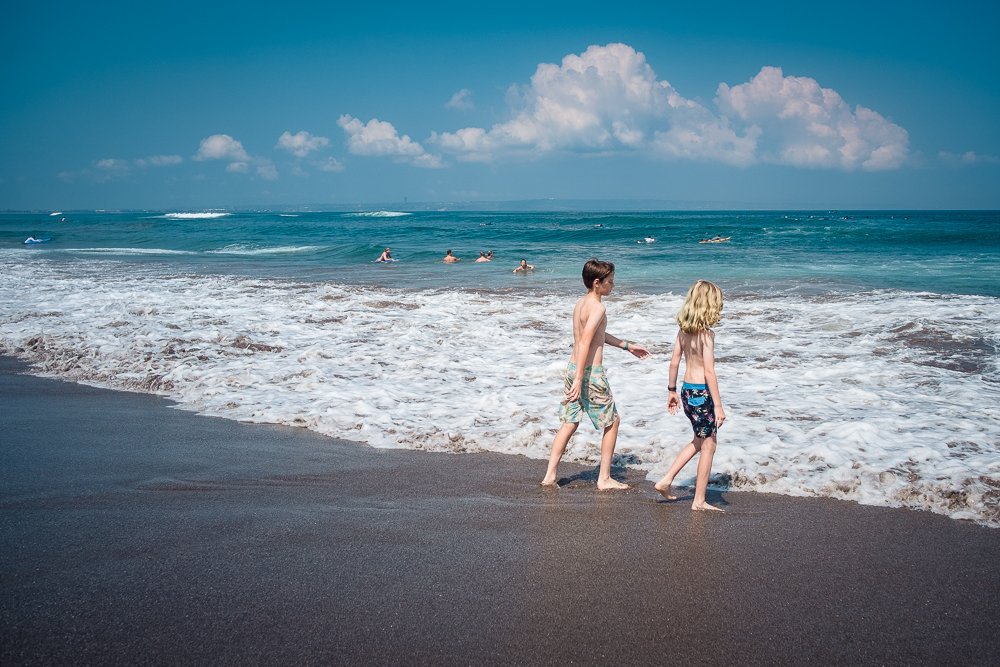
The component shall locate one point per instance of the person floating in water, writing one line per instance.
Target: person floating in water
(585, 385)
(482, 257)
(450, 258)
(700, 397)
(386, 256)
(524, 267)
(716, 239)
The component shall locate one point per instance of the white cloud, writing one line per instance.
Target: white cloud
(159, 161)
(606, 99)
(301, 144)
(267, 171)
(804, 125)
(462, 100)
(603, 99)
(112, 165)
(967, 158)
(222, 147)
(609, 99)
(380, 138)
(330, 164)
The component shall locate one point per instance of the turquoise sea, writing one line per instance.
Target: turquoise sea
(940, 252)
(859, 352)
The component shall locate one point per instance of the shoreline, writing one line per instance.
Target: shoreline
(134, 532)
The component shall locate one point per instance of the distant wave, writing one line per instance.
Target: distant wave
(54, 213)
(242, 249)
(379, 214)
(206, 215)
(288, 215)
(130, 251)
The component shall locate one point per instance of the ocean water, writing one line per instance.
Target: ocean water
(859, 353)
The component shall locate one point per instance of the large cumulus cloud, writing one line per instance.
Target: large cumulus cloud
(805, 125)
(609, 99)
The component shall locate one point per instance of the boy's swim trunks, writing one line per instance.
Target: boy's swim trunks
(699, 408)
(595, 398)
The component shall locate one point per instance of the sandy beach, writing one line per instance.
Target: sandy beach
(135, 533)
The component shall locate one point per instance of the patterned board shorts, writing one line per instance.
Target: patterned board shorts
(595, 398)
(700, 409)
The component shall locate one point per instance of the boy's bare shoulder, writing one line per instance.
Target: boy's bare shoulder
(586, 307)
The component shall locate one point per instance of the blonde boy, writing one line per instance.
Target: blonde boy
(700, 397)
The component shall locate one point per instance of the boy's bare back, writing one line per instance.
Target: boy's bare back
(590, 316)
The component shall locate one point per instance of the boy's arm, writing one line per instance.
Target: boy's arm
(583, 347)
(711, 379)
(673, 400)
(627, 345)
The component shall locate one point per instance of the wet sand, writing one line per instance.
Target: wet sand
(135, 533)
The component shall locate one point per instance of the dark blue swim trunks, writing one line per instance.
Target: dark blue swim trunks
(699, 408)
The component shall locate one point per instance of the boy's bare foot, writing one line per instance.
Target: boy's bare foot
(705, 507)
(665, 490)
(608, 484)
(550, 481)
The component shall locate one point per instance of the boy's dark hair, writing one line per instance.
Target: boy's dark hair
(595, 269)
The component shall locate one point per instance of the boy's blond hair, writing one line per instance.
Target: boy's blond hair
(702, 307)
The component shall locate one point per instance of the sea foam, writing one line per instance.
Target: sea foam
(205, 215)
(379, 214)
(882, 397)
(245, 249)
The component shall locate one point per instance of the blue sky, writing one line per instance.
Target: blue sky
(728, 105)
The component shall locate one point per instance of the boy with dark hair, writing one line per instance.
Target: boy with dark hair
(586, 385)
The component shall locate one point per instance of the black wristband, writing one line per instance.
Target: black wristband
(674, 388)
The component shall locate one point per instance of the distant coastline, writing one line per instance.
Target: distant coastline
(513, 205)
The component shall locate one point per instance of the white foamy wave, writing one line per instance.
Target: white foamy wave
(243, 249)
(204, 215)
(126, 251)
(883, 398)
(379, 214)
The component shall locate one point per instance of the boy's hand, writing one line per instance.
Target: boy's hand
(673, 402)
(720, 416)
(574, 391)
(638, 350)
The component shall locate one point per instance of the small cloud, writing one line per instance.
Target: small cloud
(224, 147)
(301, 144)
(159, 161)
(221, 147)
(462, 100)
(112, 165)
(330, 164)
(379, 138)
(967, 158)
(267, 171)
